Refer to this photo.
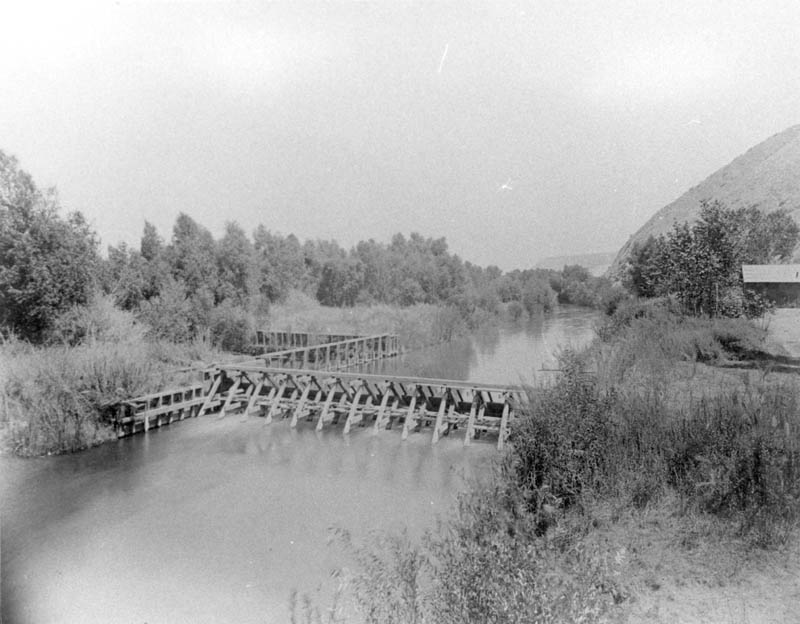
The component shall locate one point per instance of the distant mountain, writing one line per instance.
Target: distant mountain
(597, 263)
(766, 176)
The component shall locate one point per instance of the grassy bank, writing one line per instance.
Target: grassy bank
(666, 466)
(55, 399)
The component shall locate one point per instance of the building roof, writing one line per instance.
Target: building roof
(771, 273)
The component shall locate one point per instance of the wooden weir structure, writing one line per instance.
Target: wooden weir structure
(267, 341)
(303, 385)
(334, 355)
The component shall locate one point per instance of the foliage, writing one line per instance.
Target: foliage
(340, 283)
(47, 263)
(232, 328)
(701, 265)
(236, 266)
(169, 315)
(562, 451)
(100, 320)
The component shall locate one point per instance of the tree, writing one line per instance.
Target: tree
(192, 257)
(47, 263)
(152, 245)
(236, 263)
(341, 282)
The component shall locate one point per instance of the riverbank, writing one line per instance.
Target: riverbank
(655, 489)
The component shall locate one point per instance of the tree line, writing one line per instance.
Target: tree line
(701, 265)
(192, 281)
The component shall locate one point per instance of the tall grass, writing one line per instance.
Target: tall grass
(418, 325)
(56, 399)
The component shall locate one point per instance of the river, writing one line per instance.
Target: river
(218, 520)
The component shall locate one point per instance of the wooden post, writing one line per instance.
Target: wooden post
(300, 404)
(381, 409)
(211, 393)
(276, 400)
(256, 392)
(353, 408)
(229, 398)
(325, 407)
(503, 426)
(410, 412)
(439, 417)
(471, 420)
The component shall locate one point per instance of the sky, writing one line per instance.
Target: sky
(515, 130)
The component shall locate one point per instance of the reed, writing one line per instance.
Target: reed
(56, 399)
(418, 325)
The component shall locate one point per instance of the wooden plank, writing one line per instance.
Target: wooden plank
(381, 409)
(229, 398)
(503, 427)
(300, 404)
(276, 399)
(439, 416)
(471, 420)
(210, 396)
(256, 392)
(325, 407)
(353, 408)
(410, 413)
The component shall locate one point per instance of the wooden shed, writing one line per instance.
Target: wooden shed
(778, 282)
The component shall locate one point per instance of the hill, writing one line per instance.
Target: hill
(766, 176)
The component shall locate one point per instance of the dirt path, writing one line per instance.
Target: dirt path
(783, 328)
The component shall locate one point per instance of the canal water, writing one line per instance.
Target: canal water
(213, 520)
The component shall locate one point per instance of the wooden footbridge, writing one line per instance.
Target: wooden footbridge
(301, 385)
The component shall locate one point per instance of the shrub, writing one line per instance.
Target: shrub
(232, 328)
(100, 320)
(559, 448)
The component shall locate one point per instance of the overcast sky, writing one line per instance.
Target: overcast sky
(517, 131)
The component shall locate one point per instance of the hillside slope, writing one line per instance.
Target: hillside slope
(767, 176)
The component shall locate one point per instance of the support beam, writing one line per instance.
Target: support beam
(276, 400)
(211, 393)
(381, 409)
(256, 392)
(439, 417)
(353, 408)
(325, 408)
(501, 439)
(471, 420)
(229, 398)
(410, 413)
(300, 404)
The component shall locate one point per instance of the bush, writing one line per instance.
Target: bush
(232, 328)
(559, 448)
(100, 320)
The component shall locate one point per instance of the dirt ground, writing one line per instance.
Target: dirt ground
(672, 578)
(783, 328)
